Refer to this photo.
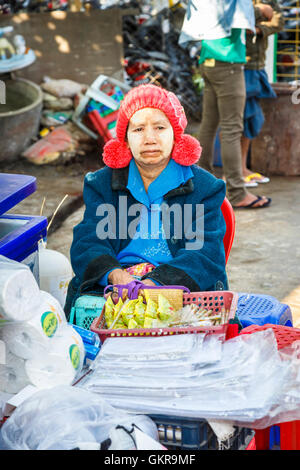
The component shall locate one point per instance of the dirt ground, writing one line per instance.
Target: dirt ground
(266, 251)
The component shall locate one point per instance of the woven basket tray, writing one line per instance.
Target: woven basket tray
(212, 300)
(174, 296)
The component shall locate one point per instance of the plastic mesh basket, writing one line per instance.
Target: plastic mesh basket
(85, 321)
(178, 433)
(213, 300)
(86, 309)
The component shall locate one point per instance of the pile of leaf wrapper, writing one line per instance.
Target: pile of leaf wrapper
(144, 312)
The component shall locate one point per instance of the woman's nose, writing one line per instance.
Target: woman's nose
(150, 136)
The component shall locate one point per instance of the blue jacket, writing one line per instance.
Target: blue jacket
(199, 270)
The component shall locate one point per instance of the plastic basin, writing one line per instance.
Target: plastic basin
(19, 117)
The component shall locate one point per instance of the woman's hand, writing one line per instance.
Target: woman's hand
(148, 282)
(118, 276)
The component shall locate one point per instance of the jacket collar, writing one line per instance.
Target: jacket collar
(119, 181)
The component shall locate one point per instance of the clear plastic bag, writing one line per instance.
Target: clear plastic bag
(150, 349)
(252, 381)
(180, 355)
(65, 418)
(287, 405)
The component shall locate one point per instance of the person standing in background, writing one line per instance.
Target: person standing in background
(222, 68)
(220, 26)
(268, 20)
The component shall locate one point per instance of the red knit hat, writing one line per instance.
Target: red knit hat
(186, 149)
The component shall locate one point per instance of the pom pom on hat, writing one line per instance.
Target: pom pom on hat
(186, 149)
(116, 154)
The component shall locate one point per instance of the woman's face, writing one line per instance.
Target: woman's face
(150, 137)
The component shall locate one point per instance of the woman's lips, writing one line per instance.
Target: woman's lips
(150, 152)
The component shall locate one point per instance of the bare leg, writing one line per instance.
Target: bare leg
(245, 144)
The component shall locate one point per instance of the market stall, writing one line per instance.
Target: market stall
(140, 367)
(172, 360)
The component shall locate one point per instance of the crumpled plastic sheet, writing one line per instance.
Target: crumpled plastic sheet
(250, 383)
(65, 418)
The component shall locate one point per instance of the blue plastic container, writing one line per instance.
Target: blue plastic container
(13, 189)
(20, 234)
(91, 351)
(258, 309)
(87, 336)
(19, 238)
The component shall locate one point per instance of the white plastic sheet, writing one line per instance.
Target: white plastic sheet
(158, 356)
(249, 383)
(151, 348)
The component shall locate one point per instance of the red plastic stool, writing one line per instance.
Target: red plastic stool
(290, 431)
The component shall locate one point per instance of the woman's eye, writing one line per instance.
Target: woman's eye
(160, 128)
(138, 129)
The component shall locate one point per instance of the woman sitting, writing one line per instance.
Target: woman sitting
(151, 213)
